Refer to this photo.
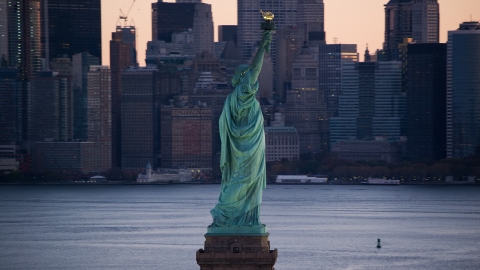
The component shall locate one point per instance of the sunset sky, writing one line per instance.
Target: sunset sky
(350, 21)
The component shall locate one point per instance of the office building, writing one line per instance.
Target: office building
(304, 107)
(331, 57)
(290, 40)
(140, 128)
(179, 17)
(11, 104)
(371, 104)
(186, 136)
(281, 143)
(295, 20)
(123, 54)
(227, 33)
(3, 34)
(71, 27)
(416, 19)
(389, 151)
(189, 1)
(99, 117)
(310, 16)
(154, 15)
(50, 103)
(66, 157)
(80, 67)
(463, 91)
(24, 34)
(426, 101)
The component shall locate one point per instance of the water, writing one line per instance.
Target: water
(313, 227)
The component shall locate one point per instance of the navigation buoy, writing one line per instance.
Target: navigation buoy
(378, 243)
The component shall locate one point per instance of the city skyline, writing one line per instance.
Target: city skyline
(225, 13)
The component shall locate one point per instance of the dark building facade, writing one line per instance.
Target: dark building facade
(331, 57)
(122, 55)
(186, 136)
(416, 19)
(227, 33)
(140, 127)
(24, 32)
(371, 104)
(426, 101)
(71, 27)
(169, 19)
(81, 65)
(463, 91)
(11, 115)
(177, 17)
(50, 107)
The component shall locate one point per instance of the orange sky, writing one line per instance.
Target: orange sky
(350, 21)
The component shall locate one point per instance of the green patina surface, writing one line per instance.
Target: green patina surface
(238, 230)
(243, 154)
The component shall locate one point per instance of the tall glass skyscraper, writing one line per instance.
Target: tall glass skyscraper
(331, 57)
(426, 94)
(371, 104)
(71, 27)
(416, 19)
(182, 16)
(463, 91)
(24, 47)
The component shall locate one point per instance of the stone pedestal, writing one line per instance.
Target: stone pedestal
(236, 251)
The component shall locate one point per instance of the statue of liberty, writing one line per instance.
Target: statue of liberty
(243, 149)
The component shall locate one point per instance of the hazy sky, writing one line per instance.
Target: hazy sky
(350, 21)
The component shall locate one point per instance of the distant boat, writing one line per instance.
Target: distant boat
(164, 175)
(300, 179)
(381, 181)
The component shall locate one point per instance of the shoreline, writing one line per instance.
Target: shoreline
(217, 183)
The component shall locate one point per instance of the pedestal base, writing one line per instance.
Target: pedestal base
(246, 252)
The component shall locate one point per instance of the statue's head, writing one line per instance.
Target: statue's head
(239, 72)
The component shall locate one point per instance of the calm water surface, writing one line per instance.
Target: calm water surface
(313, 227)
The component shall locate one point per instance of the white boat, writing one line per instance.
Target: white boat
(164, 175)
(381, 181)
(300, 179)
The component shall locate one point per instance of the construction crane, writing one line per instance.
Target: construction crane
(124, 17)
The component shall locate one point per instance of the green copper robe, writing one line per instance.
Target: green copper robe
(243, 155)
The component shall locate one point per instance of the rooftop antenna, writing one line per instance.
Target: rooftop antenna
(335, 40)
(124, 17)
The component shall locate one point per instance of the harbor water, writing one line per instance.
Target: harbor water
(313, 227)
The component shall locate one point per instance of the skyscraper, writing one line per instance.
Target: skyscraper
(181, 16)
(24, 33)
(122, 55)
(426, 101)
(371, 104)
(81, 65)
(463, 91)
(227, 33)
(3, 33)
(296, 22)
(331, 57)
(154, 22)
(304, 106)
(249, 20)
(72, 27)
(310, 16)
(99, 117)
(11, 114)
(140, 110)
(50, 103)
(417, 19)
(186, 136)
